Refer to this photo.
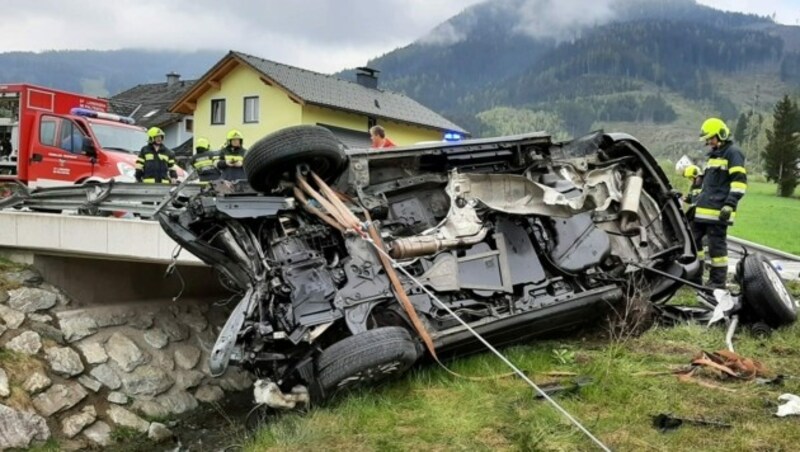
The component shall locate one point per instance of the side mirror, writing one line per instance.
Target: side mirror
(88, 147)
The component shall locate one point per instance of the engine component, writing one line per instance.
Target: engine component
(425, 245)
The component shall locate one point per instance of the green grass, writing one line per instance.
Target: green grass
(765, 218)
(431, 410)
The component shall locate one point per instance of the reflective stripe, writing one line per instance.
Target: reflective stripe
(149, 157)
(163, 157)
(737, 169)
(738, 187)
(701, 254)
(710, 214)
(721, 261)
(139, 165)
(696, 191)
(234, 158)
(152, 180)
(717, 163)
(203, 163)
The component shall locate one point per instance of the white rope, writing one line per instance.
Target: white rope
(493, 350)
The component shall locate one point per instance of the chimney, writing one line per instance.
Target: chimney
(367, 77)
(172, 78)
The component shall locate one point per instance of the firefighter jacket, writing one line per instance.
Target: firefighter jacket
(229, 156)
(694, 190)
(155, 166)
(724, 183)
(205, 164)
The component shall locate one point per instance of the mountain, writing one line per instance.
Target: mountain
(653, 67)
(102, 73)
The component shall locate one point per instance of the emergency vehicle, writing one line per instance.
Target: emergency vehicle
(50, 137)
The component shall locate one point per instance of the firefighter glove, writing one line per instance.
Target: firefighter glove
(173, 174)
(725, 213)
(138, 175)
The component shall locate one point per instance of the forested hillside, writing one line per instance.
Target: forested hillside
(102, 73)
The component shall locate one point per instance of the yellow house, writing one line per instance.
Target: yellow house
(258, 96)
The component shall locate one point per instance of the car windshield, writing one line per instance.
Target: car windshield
(118, 138)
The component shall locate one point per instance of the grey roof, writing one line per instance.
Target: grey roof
(329, 91)
(148, 103)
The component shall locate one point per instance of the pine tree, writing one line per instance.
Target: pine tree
(782, 153)
(740, 132)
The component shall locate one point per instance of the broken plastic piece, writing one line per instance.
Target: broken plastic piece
(791, 407)
(268, 393)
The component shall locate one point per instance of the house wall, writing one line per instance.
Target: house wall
(176, 133)
(276, 109)
(399, 133)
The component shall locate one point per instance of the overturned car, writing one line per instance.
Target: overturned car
(349, 262)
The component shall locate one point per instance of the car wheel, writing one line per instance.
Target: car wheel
(765, 292)
(366, 358)
(280, 152)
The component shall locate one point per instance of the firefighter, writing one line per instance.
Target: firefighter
(687, 169)
(724, 182)
(231, 158)
(204, 161)
(156, 162)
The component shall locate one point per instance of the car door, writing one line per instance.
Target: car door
(58, 157)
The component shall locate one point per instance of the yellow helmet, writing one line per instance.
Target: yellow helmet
(153, 132)
(691, 171)
(232, 135)
(714, 127)
(202, 143)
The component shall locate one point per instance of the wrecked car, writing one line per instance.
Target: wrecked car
(348, 261)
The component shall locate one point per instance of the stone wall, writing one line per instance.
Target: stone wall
(77, 371)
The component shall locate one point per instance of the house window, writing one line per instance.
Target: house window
(250, 109)
(189, 124)
(218, 111)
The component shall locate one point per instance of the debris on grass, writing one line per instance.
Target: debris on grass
(791, 407)
(666, 422)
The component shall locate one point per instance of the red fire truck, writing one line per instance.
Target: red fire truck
(50, 137)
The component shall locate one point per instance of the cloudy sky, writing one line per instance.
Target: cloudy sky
(322, 35)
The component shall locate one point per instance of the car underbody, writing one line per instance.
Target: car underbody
(517, 235)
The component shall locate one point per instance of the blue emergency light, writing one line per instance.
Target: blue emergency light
(453, 136)
(101, 115)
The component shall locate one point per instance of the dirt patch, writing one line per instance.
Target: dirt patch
(212, 426)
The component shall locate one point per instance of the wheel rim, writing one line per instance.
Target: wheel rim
(372, 374)
(777, 284)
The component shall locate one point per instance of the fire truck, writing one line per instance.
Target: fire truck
(50, 138)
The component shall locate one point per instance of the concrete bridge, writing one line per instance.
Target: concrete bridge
(103, 260)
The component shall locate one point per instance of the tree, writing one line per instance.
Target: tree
(782, 153)
(740, 132)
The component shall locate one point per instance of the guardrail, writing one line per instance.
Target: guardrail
(769, 252)
(97, 198)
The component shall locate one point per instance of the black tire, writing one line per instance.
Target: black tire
(280, 152)
(766, 293)
(366, 358)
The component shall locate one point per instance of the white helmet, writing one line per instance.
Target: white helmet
(682, 164)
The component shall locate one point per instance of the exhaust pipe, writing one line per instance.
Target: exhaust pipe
(425, 245)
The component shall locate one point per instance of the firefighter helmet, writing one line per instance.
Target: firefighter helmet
(714, 127)
(153, 132)
(683, 163)
(234, 134)
(202, 144)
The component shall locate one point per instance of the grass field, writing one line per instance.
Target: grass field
(767, 219)
(431, 410)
